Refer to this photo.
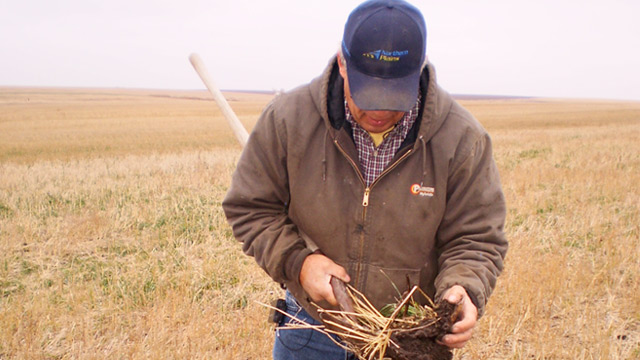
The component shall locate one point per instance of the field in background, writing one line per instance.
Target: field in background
(50, 124)
(114, 244)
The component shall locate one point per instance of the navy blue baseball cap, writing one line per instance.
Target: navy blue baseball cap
(384, 45)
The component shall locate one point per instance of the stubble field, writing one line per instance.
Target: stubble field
(114, 244)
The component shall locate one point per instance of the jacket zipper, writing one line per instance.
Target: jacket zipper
(367, 190)
(365, 199)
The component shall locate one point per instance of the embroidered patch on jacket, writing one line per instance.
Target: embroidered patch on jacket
(416, 189)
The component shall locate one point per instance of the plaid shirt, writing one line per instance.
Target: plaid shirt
(374, 159)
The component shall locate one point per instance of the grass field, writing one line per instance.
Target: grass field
(114, 244)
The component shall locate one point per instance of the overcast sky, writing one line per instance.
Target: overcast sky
(555, 48)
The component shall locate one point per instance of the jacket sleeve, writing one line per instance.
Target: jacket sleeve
(471, 241)
(256, 203)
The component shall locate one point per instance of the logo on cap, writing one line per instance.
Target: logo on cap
(383, 55)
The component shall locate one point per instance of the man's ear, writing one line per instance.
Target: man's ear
(342, 66)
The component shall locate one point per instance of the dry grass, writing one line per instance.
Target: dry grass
(367, 332)
(114, 244)
(50, 124)
(570, 287)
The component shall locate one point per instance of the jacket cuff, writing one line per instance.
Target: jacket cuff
(293, 264)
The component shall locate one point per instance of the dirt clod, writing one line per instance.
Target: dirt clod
(419, 343)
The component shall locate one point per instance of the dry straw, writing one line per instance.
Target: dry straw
(366, 331)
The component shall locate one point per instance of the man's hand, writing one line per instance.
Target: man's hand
(315, 276)
(461, 330)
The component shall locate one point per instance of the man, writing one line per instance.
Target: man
(374, 175)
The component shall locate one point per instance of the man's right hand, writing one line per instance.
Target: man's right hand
(315, 277)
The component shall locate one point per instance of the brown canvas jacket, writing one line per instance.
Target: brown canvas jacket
(434, 217)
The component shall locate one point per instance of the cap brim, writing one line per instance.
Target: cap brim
(374, 93)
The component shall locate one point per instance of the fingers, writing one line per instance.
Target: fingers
(315, 277)
(328, 294)
(469, 318)
(457, 341)
(461, 330)
(339, 272)
(455, 294)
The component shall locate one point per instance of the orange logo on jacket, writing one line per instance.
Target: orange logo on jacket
(416, 189)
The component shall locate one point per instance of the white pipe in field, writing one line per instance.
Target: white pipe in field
(238, 129)
(338, 286)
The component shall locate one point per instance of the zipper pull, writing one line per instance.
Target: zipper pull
(365, 199)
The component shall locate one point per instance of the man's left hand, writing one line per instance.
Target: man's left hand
(463, 328)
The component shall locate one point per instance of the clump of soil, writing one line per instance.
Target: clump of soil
(419, 342)
(405, 330)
